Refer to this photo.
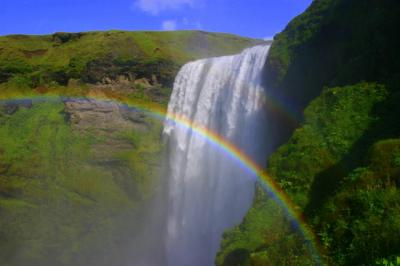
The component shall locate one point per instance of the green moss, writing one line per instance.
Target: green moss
(340, 163)
(326, 46)
(247, 237)
(384, 155)
(262, 238)
(360, 223)
(57, 205)
(333, 123)
(325, 156)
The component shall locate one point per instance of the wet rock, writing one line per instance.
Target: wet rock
(133, 115)
(10, 107)
(108, 120)
(103, 117)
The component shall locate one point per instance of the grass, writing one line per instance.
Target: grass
(58, 206)
(66, 55)
(337, 169)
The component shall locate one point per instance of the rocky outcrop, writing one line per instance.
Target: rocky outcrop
(109, 121)
(103, 117)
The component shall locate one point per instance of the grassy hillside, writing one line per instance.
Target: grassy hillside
(73, 192)
(114, 64)
(338, 65)
(95, 56)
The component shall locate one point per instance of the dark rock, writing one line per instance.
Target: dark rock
(133, 115)
(10, 107)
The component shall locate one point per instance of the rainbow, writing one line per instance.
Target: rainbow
(264, 179)
(281, 107)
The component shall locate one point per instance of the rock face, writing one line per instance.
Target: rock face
(103, 117)
(107, 120)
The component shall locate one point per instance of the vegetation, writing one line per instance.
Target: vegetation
(337, 65)
(60, 203)
(334, 122)
(361, 222)
(339, 68)
(98, 56)
(263, 235)
(122, 65)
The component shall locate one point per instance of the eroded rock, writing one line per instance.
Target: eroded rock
(103, 117)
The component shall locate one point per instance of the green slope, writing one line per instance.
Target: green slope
(92, 55)
(73, 192)
(338, 66)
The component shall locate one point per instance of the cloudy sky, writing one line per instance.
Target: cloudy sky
(253, 18)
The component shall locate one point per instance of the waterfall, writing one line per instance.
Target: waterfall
(208, 191)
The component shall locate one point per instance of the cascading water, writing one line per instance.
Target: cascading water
(208, 192)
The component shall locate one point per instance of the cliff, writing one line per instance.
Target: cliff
(337, 66)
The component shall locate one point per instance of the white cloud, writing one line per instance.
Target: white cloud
(154, 7)
(169, 25)
(269, 38)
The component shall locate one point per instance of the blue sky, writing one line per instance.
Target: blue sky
(252, 18)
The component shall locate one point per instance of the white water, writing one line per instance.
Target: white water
(208, 191)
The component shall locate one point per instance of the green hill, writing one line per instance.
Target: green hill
(94, 57)
(337, 64)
